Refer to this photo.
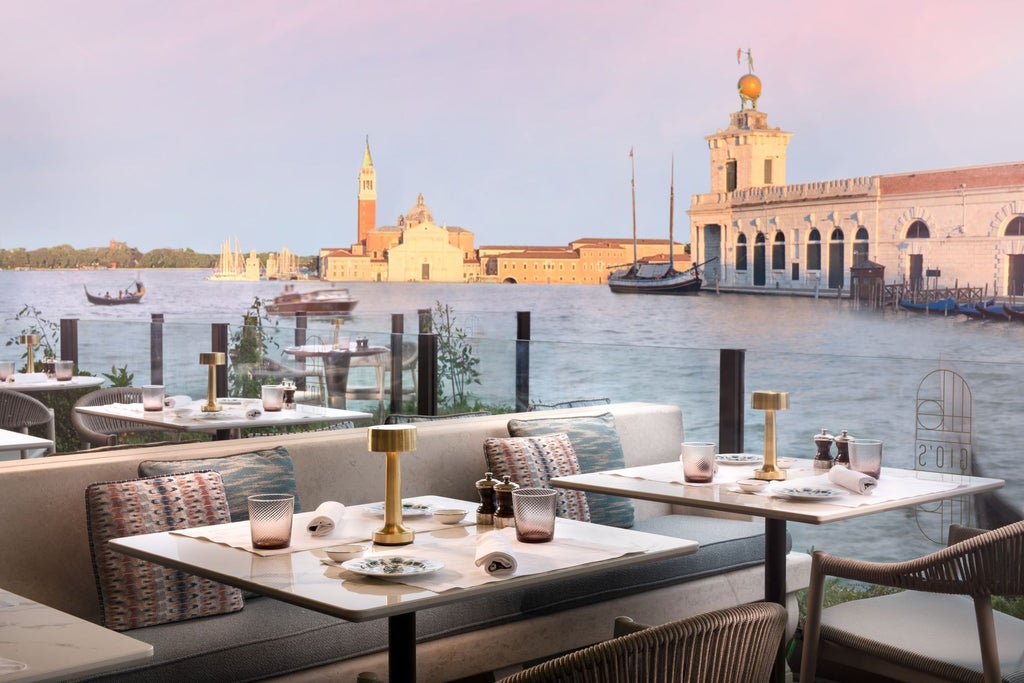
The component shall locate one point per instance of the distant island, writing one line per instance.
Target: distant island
(114, 255)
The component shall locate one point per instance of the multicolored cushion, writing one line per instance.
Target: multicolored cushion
(244, 474)
(135, 593)
(598, 448)
(533, 461)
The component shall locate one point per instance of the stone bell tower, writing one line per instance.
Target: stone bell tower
(367, 218)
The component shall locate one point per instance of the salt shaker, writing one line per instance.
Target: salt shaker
(503, 514)
(485, 489)
(843, 449)
(823, 442)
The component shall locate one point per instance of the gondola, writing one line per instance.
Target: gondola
(126, 297)
(939, 306)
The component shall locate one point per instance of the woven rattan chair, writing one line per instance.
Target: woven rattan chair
(737, 645)
(20, 411)
(930, 631)
(105, 431)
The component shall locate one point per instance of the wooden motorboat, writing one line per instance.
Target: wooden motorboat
(333, 301)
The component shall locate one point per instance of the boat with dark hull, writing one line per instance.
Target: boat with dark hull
(939, 306)
(993, 311)
(655, 278)
(125, 297)
(320, 302)
(1014, 312)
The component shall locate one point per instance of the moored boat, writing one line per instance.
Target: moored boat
(973, 310)
(993, 311)
(655, 278)
(124, 297)
(1014, 312)
(938, 306)
(334, 301)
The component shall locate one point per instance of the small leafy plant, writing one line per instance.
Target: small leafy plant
(456, 360)
(248, 349)
(48, 331)
(119, 377)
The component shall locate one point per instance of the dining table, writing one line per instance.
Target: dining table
(364, 592)
(38, 382)
(800, 497)
(16, 441)
(235, 414)
(40, 643)
(337, 360)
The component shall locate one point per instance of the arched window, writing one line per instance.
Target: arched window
(1015, 228)
(779, 251)
(918, 230)
(814, 250)
(741, 252)
(860, 245)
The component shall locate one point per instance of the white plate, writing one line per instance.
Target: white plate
(808, 492)
(408, 509)
(738, 459)
(391, 565)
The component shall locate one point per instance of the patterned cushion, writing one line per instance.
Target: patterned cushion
(533, 461)
(135, 593)
(244, 474)
(597, 447)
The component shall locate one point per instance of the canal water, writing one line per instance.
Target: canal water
(844, 367)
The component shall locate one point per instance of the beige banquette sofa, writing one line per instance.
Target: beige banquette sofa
(46, 556)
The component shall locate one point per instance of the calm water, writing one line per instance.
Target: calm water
(844, 368)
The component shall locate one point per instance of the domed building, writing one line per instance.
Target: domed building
(415, 249)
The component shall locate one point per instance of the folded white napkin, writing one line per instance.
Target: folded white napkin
(177, 401)
(851, 480)
(494, 554)
(327, 516)
(29, 377)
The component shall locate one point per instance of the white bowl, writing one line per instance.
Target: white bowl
(340, 553)
(752, 485)
(449, 515)
(181, 412)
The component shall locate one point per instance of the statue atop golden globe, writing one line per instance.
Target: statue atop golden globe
(749, 85)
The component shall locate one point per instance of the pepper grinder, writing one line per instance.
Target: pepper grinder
(503, 515)
(823, 442)
(485, 489)
(843, 449)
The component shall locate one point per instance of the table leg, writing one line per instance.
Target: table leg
(336, 367)
(775, 580)
(402, 647)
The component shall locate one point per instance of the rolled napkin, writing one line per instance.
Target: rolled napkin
(494, 553)
(253, 413)
(28, 377)
(851, 480)
(328, 516)
(178, 401)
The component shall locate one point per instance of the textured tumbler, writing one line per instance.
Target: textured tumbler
(270, 520)
(153, 396)
(534, 510)
(866, 456)
(698, 458)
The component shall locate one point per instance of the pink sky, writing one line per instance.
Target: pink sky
(183, 124)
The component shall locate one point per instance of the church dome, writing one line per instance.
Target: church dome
(419, 213)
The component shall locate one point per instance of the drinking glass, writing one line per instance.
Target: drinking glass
(153, 397)
(64, 369)
(270, 520)
(273, 397)
(698, 458)
(534, 510)
(866, 456)
(6, 369)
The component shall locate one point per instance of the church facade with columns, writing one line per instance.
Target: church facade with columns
(936, 228)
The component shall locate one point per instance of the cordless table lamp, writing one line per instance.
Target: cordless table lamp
(392, 440)
(29, 340)
(213, 359)
(769, 402)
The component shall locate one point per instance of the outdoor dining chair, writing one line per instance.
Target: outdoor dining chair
(941, 627)
(95, 431)
(19, 411)
(737, 644)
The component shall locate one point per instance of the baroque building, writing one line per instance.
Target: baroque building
(938, 228)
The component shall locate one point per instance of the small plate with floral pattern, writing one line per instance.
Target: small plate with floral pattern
(408, 509)
(739, 459)
(391, 566)
(808, 492)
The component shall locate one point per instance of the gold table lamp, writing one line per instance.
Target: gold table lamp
(29, 340)
(769, 402)
(391, 440)
(213, 359)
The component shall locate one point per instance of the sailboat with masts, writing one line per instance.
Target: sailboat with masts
(655, 278)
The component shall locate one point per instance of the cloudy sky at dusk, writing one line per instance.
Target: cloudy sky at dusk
(181, 124)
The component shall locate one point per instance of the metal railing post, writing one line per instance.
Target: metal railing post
(731, 400)
(69, 339)
(397, 360)
(156, 348)
(219, 342)
(426, 400)
(522, 361)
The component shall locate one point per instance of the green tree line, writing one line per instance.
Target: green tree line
(117, 254)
